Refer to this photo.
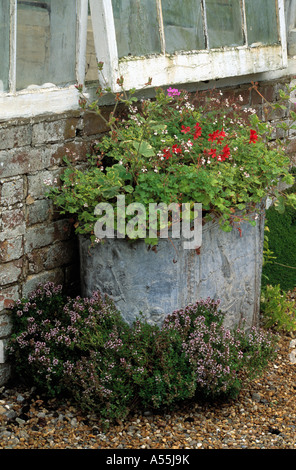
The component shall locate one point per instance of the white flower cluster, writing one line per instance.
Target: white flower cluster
(49, 182)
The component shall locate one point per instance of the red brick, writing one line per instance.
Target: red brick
(94, 124)
(8, 296)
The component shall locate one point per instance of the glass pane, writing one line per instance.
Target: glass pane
(91, 72)
(46, 42)
(136, 26)
(183, 27)
(4, 49)
(224, 22)
(262, 21)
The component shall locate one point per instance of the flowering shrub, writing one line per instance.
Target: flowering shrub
(82, 348)
(158, 366)
(51, 332)
(144, 367)
(99, 382)
(221, 359)
(174, 149)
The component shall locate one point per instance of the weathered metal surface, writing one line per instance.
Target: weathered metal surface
(158, 282)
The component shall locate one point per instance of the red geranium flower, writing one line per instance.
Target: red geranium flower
(253, 136)
(217, 135)
(213, 153)
(176, 149)
(167, 154)
(185, 130)
(226, 153)
(197, 131)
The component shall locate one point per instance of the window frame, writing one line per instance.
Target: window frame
(182, 67)
(165, 69)
(44, 99)
(291, 26)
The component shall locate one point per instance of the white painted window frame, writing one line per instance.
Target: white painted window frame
(164, 69)
(291, 27)
(185, 67)
(48, 98)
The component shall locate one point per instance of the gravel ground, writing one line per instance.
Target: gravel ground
(262, 417)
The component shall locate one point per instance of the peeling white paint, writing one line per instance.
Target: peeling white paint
(199, 66)
(38, 101)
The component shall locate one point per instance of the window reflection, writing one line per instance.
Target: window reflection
(224, 23)
(136, 27)
(183, 27)
(46, 42)
(262, 22)
(4, 49)
(91, 72)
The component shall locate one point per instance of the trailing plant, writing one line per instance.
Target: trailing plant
(177, 149)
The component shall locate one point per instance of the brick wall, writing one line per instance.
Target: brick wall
(36, 243)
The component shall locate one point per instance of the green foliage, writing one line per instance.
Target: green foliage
(282, 249)
(268, 255)
(277, 310)
(208, 150)
(82, 348)
(158, 366)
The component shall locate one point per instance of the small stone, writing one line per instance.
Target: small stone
(74, 422)
(256, 397)
(10, 414)
(6, 434)
(20, 398)
(20, 421)
(292, 356)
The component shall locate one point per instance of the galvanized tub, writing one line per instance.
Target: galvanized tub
(158, 281)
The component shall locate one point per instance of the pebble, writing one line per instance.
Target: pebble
(262, 417)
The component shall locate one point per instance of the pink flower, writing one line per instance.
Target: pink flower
(173, 92)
